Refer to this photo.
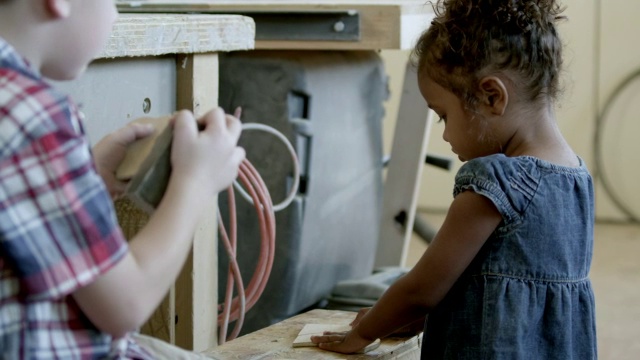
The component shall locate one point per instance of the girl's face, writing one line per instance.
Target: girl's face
(87, 28)
(463, 131)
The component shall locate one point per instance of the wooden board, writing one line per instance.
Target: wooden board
(196, 290)
(384, 24)
(274, 342)
(160, 34)
(140, 150)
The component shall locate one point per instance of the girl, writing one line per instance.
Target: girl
(506, 277)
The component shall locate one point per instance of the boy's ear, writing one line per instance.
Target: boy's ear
(58, 8)
(494, 95)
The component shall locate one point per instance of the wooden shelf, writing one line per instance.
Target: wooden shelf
(161, 34)
(385, 24)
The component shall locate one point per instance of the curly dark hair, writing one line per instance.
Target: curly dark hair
(470, 39)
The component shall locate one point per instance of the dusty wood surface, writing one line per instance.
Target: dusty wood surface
(385, 24)
(160, 34)
(275, 342)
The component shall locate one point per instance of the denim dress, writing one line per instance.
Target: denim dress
(526, 295)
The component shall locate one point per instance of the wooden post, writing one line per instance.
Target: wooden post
(401, 186)
(196, 290)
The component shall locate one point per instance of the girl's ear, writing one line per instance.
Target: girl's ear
(493, 94)
(58, 9)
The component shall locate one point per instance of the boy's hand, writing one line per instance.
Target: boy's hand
(206, 160)
(109, 152)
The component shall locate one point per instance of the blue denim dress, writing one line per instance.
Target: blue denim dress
(527, 294)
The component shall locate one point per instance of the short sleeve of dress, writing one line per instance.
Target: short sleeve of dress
(58, 229)
(498, 178)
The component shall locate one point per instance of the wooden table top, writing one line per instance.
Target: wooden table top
(384, 24)
(275, 342)
(159, 34)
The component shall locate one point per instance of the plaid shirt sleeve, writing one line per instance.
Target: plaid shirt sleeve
(58, 229)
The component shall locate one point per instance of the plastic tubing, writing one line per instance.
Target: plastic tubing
(234, 308)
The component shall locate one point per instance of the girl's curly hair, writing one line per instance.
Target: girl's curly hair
(470, 39)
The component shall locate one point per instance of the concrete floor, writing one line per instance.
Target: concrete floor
(615, 274)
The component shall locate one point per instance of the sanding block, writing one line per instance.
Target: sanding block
(147, 165)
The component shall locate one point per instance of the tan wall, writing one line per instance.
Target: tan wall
(592, 36)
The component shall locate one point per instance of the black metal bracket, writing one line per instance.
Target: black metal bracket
(307, 25)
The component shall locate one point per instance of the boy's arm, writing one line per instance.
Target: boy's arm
(203, 163)
(124, 297)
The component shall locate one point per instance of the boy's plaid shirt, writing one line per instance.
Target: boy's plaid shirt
(58, 229)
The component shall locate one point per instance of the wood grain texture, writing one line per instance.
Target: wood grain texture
(384, 24)
(160, 34)
(274, 342)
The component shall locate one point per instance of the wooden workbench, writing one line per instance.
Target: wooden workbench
(275, 342)
(153, 65)
(385, 24)
(156, 63)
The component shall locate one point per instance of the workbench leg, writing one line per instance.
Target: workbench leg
(196, 289)
(402, 182)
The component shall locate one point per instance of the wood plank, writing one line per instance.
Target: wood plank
(384, 24)
(159, 34)
(275, 342)
(196, 289)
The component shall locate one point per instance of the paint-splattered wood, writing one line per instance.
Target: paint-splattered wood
(160, 34)
(275, 342)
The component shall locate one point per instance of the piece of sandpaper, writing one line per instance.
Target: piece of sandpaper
(304, 336)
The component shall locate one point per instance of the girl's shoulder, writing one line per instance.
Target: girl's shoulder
(500, 165)
(512, 183)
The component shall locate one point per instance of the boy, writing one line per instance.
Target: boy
(70, 286)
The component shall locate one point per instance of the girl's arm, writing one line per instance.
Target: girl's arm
(470, 221)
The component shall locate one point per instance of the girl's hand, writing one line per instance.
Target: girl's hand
(342, 342)
(411, 329)
(206, 160)
(109, 152)
(359, 317)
